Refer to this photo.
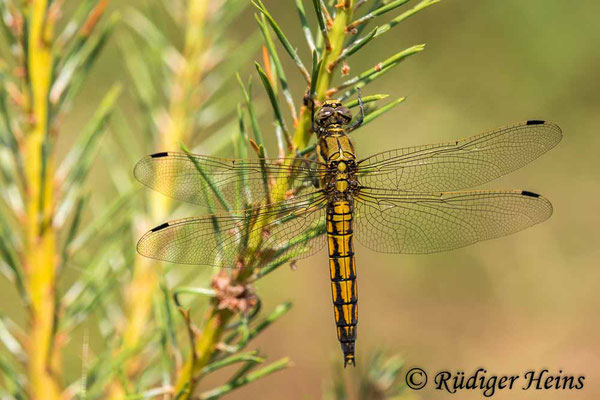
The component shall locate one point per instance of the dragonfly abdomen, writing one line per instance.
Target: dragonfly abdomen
(343, 275)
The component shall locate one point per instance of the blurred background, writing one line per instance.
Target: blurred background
(527, 301)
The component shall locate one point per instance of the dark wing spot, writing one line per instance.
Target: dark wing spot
(530, 194)
(157, 155)
(535, 122)
(158, 228)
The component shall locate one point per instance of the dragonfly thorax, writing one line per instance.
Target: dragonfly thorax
(336, 153)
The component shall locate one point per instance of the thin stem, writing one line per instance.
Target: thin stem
(307, 33)
(216, 320)
(423, 4)
(379, 69)
(246, 379)
(381, 10)
(282, 38)
(352, 48)
(319, 9)
(278, 67)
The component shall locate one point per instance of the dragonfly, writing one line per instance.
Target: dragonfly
(407, 201)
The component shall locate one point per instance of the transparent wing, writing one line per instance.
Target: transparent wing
(196, 179)
(285, 231)
(390, 221)
(462, 163)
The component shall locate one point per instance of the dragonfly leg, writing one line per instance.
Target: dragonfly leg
(361, 117)
(309, 101)
(315, 128)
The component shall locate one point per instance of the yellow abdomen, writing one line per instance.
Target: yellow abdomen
(343, 275)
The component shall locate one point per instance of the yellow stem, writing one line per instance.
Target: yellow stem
(185, 99)
(184, 103)
(205, 346)
(40, 256)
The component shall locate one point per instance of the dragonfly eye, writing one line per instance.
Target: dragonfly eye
(324, 113)
(345, 113)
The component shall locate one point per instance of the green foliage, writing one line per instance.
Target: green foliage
(181, 64)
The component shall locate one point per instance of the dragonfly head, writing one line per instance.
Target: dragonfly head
(332, 112)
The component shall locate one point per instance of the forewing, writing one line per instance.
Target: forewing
(462, 163)
(225, 183)
(285, 231)
(390, 221)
